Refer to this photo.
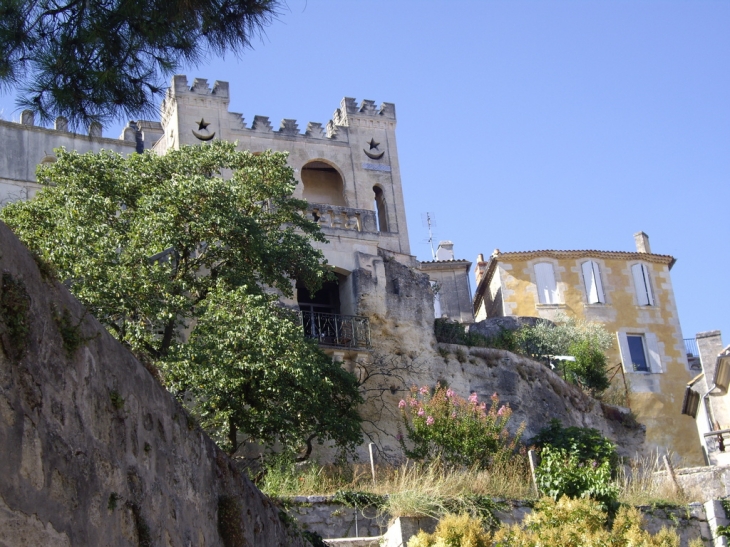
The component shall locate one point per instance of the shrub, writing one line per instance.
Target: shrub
(561, 473)
(456, 530)
(456, 430)
(585, 340)
(589, 367)
(586, 443)
(582, 523)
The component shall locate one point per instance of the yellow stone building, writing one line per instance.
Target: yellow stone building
(631, 294)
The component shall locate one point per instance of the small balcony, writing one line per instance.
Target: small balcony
(335, 330)
(343, 218)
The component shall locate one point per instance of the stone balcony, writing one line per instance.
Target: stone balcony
(343, 218)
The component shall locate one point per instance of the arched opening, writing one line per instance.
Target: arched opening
(322, 184)
(381, 212)
(325, 300)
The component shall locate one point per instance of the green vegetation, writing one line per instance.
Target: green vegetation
(70, 331)
(586, 341)
(15, 316)
(97, 61)
(582, 523)
(586, 443)
(444, 426)
(454, 530)
(576, 462)
(157, 246)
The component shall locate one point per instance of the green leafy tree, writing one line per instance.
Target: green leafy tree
(458, 431)
(159, 246)
(95, 60)
(585, 340)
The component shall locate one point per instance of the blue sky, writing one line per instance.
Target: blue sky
(527, 125)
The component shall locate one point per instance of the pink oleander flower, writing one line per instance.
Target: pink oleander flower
(473, 398)
(421, 412)
(429, 420)
(413, 402)
(402, 404)
(449, 393)
(424, 390)
(502, 410)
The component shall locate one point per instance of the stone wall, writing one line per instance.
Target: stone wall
(94, 450)
(330, 520)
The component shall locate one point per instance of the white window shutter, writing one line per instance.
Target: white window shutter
(547, 288)
(592, 279)
(643, 294)
(647, 285)
(599, 285)
(652, 349)
(623, 346)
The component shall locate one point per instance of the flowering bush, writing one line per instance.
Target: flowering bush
(458, 431)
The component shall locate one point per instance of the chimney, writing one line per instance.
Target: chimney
(642, 243)
(445, 251)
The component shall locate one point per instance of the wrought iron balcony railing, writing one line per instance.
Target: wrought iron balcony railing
(330, 329)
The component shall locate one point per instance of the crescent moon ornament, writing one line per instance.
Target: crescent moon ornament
(203, 126)
(373, 155)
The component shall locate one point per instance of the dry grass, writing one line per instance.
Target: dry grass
(644, 482)
(433, 490)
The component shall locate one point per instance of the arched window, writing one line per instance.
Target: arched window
(381, 211)
(592, 280)
(322, 184)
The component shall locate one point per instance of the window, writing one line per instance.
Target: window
(381, 213)
(547, 288)
(639, 352)
(592, 279)
(644, 296)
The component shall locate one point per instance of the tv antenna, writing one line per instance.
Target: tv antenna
(429, 221)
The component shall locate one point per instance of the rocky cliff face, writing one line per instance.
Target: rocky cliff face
(399, 303)
(93, 451)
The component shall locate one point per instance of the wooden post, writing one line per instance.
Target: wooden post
(670, 472)
(533, 464)
(372, 460)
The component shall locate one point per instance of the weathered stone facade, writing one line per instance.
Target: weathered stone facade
(94, 450)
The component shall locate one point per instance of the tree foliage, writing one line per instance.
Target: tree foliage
(157, 246)
(585, 340)
(94, 60)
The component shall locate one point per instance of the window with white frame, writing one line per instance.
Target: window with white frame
(639, 352)
(547, 287)
(642, 284)
(592, 280)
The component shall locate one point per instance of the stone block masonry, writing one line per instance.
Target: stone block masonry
(93, 450)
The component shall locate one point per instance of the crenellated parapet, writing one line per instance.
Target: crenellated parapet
(364, 115)
(202, 95)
